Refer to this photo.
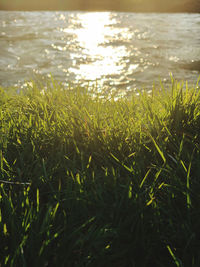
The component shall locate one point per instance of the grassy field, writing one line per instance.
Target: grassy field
(90, 181)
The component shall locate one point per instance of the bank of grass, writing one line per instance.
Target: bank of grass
(90, 181)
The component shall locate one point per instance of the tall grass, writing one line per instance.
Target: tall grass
(90, 181)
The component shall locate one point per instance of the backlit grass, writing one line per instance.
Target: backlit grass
(90, 181)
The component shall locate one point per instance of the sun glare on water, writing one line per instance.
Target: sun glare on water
(94, 36)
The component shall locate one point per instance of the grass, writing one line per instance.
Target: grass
(90, 181)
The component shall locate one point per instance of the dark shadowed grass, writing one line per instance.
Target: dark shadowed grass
(90, 181)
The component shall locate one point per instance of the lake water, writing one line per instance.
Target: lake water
(115, 51)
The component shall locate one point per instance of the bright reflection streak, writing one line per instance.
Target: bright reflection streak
(93, 37)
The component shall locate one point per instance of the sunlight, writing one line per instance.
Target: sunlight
(93, 30)
(101, 59)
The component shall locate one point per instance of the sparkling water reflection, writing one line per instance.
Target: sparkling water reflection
(116, 51)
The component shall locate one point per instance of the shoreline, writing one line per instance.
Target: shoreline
(188, 6)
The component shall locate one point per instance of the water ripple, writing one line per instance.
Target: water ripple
(118, 51)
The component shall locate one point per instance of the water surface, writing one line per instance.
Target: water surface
(117, 51)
